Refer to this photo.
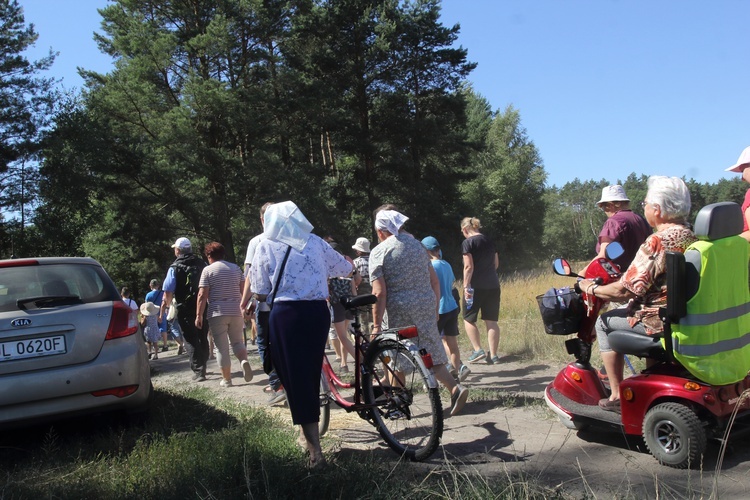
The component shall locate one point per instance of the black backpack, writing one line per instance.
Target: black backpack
(187, 272)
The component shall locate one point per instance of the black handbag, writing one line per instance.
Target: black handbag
(267, 362)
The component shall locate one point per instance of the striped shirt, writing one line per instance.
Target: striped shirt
(224, 282)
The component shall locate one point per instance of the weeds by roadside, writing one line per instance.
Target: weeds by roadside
(194, 444)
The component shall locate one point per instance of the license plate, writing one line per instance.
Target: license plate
(32, 348)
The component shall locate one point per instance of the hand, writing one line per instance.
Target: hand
(199, 321)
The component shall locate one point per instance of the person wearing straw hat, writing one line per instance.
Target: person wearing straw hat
(150, 325)
(741, 167)
(623, 225)
(362, 264)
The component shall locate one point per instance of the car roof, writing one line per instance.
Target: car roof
(48, 260)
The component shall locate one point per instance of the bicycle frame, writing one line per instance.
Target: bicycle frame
(332, 382)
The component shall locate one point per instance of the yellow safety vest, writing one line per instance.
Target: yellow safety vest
(713, 341)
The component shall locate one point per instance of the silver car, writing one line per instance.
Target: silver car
(68, 343)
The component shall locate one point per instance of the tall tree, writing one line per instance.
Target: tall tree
(507, 194)
(26, 100)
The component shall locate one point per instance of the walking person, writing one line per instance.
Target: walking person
(741, 167)
(156, 295)
(448, 309)
(219, 298)
(262, 313)
(150, 325)
(181, 283)
(299, 317)
(362, 264)
(405, 284)
(125, 294)
(481, 290)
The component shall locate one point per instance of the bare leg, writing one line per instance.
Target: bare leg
(451, 349)
(493, 336)
(310, 431)
(445, 377)
(473, 333)
(346, 343)
(164, 339)
(614, 364)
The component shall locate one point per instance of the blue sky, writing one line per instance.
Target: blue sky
(604, 88)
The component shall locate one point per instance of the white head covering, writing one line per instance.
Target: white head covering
(285, 222)
(390, 220)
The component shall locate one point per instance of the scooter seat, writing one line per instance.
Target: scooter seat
(636, 344)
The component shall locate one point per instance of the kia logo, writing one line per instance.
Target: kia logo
(21, 322)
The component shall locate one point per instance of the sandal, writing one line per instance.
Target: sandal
(610, 405)
(267, 389)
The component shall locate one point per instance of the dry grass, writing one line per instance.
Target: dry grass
(521, 329)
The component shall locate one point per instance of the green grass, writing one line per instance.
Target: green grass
(195, 445)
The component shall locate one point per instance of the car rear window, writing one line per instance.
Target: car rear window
(81, 283)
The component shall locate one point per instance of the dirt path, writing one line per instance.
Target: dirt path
(506, 428)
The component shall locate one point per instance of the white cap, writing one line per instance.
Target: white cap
(183, 244)
(613, 193)
(742, 162)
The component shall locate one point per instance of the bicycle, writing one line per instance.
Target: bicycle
(394, 388)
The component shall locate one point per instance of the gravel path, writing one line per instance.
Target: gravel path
(506, 428)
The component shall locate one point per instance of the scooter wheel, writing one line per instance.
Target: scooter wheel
(674, 435)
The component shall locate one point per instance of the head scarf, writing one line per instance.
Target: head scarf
(285, 222)
(390, 220)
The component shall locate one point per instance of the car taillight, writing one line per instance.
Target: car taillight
(19, 263)
(119, 392)
(124, 321)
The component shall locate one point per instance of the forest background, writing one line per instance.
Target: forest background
(217, 106)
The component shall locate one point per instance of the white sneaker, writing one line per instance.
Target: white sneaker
(277, 397)
(247, 372)
(225, 383)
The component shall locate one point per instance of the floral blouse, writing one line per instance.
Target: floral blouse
(647, 276)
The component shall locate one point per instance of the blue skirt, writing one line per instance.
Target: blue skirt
(298, 331)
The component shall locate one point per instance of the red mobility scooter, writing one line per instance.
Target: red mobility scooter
(698, 387)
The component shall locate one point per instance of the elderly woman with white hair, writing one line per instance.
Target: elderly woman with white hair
(300, 263)
(405, 284)
(643, 284)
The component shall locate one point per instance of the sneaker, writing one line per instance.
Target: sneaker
(200, 377)
(247, 372)
(225, 383)
(164, 348)
(463, 373)
(458, 399)
(277, 397)
(477, 356)
(495, 360)
(344, 369)
(180, 350)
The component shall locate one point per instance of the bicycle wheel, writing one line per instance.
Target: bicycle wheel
(325, 408)
(408, 414)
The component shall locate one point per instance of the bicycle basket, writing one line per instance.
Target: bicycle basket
(562, 311)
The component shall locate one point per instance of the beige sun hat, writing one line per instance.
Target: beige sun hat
(613, 193)
(149, 309)
(742, 162)
(362, 244)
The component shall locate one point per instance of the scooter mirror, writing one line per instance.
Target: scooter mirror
(561, 267)
(614, 250)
